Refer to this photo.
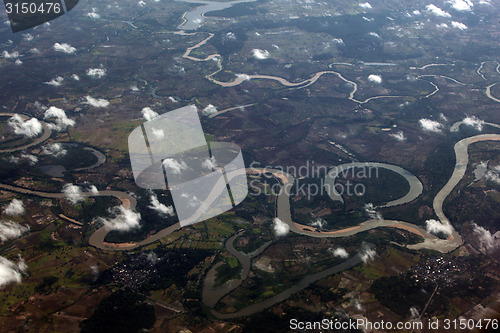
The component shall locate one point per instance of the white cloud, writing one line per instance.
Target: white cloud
(28, 37)
(32, 159)
(442, 26)
(365, 5)
(371, 212)
(125, 220)
(10, 271)
(54, 149)
(318, 223)
(474, 121)
(433, 9)
(97, 103)
(93, 190)
(158, 133)
(157, 206)
(280, 227)
(339, 41)
(18, 62)
(375, 78)
(59, 116)
(14, 208)
(487, 240)
(436, 227)
(430, 125)
(209, 163)
(96, 73)
(56, 82)
(134, 87)
(93, 14)
(493, 174)
(35, 51)
(148, 113)
(73, 193)
(339, 252)
(11, 230)
(399, 136)
(75, 77)
(245, 77)
(416, 12)
(141, 3)
(174, 166)
(366, 253)
(210, 109)
(374, 34)
(12, 55)
(64, 48)
(29, 128)
(260, 54)
(461, 5)
(458, 25)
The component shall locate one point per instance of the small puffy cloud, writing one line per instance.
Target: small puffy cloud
(374, 34)
(93, 190)
(375, 78)
(124, 220)
(12, 55)
(366, 253)
(399, 136)
(32, 159)
(59, 116)
(141, 3)
(14, 208)
(433, 9)
(11, 230)
(148, 113)
(28, 37)
(73, 193)
(158, 133)
(474, 121)
(318, 223)
(174, 166)
(260, 54)
(35, 51)
(93, 14)
(10, 271)
(64, 48)
(245, 77)
(210, 109)
(96, 73)
(339, 252)
(486, 239)
(461, 5)
(157, 206)
(54, 149)
(442, 25)
(56, 82)
(280, 227)
(435, 227)
(209, 163)
(365, 5)
(18, 62)
(339, 41)
(97, 103)
(75, 77)
(430, 125)
(458, 25)
(29, 128)
(371, 212)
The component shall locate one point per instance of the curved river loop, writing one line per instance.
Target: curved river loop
(211, 295)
